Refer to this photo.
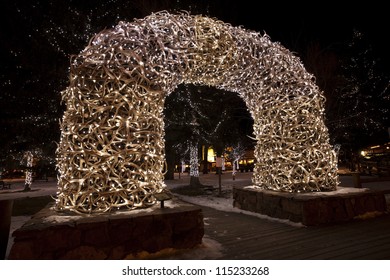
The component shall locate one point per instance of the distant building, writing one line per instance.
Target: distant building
(375, 160)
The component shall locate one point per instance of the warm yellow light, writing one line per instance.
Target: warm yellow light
(210, 155)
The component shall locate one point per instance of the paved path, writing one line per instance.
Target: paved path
(43, 188)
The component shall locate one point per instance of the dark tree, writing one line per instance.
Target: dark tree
(355, 79)
(361, 113)
(37, 43)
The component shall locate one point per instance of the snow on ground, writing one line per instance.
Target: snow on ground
(226, 205)
(339, 190)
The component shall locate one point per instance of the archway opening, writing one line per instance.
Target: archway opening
(215, 122)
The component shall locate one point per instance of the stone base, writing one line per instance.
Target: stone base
(51, 235)
(311, 209)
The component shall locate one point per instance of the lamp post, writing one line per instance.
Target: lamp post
(218, 164)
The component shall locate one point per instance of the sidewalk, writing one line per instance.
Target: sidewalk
(38, 188)
(44, 188)
(245, 179)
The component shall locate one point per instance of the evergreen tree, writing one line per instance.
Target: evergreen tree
(361, 114)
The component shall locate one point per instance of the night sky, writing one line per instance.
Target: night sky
(28, 23)
(294, 25)
(38, 37)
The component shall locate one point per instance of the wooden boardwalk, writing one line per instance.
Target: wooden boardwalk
(248, 237)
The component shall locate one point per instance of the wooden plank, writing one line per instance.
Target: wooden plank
(248, 237)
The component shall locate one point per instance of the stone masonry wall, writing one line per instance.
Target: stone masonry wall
(50, 235)
(310, 208)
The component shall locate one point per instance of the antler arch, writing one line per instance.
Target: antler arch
(111, 153)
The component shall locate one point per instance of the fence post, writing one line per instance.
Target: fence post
(357, 182)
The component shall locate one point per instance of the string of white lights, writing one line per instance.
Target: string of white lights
(29, 163)
(111, 154)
